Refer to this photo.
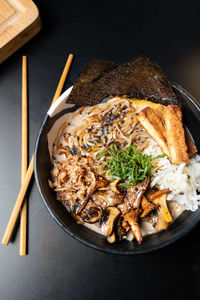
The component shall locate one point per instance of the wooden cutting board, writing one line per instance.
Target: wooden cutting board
(19, 22)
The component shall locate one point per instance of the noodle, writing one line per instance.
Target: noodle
(90, 129)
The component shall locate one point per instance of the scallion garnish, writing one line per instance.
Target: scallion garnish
(128, 165)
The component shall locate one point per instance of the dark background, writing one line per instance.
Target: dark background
(57, 266)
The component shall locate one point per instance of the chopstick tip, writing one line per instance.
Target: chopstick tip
(4, 241)
(71, 55)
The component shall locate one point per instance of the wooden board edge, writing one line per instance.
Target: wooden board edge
(23, 37)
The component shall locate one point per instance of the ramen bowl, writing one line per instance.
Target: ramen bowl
(52, 121)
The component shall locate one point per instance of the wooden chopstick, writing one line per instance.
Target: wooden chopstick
(24, 186)
(24, 157)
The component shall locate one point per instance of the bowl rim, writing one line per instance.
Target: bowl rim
(82, 240)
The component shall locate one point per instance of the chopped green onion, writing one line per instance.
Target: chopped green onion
(129, 165)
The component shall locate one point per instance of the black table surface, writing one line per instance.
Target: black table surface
(57, 266)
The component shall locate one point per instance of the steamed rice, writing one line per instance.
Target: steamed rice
(182, 180)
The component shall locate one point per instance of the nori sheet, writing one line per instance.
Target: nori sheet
(93, 71)
(138, 78)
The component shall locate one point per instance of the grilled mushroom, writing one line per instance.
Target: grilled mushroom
(98, 184)
(107, 198)
(134, 194)
(108, 218)
(147, 207)
(101, 182)
(151, 218)
(112, 186)
(122, 228)
(91, 213)
(111, 238)
(163, 215)
(132, 218)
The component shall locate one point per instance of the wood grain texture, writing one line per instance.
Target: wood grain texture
(19, 22)
(29, 173)
(24, 156)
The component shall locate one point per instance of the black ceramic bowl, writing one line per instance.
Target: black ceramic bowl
(182, 225)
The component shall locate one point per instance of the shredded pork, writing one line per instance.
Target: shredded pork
(74, 180)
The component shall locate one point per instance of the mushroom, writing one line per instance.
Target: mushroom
(163, 215)
(134, 194)
(147, 206)
(112, 186)
(107, 198)
(98, 184)
(126, 226)
(132, 218)
(161, 224)
(108, 218)
(101, 182)
(111, 238)
(77, 218)
(151, 218)
(122, 228)
(91, 215)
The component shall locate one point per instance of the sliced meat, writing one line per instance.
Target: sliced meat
(74, 181)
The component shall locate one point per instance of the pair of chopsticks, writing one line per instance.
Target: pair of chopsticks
(26, 174)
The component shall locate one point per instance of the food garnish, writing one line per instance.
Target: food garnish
(129, 165)
(104, 156)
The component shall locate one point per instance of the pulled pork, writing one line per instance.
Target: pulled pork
(74, 181)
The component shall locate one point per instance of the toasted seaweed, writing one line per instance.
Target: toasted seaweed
(93, 71)
(138, 78)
